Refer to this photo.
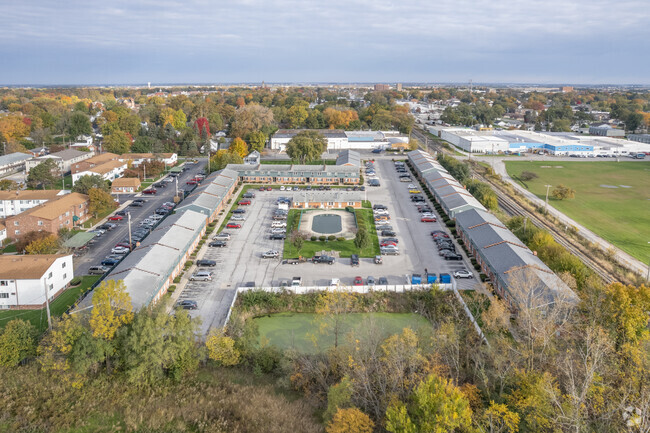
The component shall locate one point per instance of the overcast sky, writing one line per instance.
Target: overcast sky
(201, 41)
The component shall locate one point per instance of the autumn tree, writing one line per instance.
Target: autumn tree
(257, 140)
(112, 309)
(250, 118)
(8, 185)
(339, 396)
(562, 192)
(85, 183)
(350, 420)
(333, 307)
(306, 146)
(13, 127)
(436, 406)
(46, 245)
(221, 349)
(498, 418)
(117, 142)
(99, 201)
(17, 342)
(45, 174)
(339, 119)
(238, 147)
(222, 158)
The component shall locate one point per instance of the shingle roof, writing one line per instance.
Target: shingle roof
(42, 194)
(336, 196)
(53, 208)
(105, 167)
(126, 181)
(349, 157)
(26, 267)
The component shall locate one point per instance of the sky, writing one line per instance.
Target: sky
(343, 41)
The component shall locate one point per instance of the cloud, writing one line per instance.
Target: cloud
(334, 38)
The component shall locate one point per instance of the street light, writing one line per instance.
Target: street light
(546, 205)
(648, 276)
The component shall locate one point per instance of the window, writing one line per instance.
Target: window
(67, 222)
(4, 295)
(40, 223)
(65, 276)
(51, 286)
(4, 283)
(63, 265)
(67, 213)
(15, 223)
(50, 275)
(16, 232)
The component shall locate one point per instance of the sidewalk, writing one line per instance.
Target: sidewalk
(622, 257)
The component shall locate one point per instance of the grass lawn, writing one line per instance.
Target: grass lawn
(60, 305)
(612, 198)
(92, 221)
(301, 331)
(346, 248)
(11, 248)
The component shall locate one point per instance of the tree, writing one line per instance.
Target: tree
(221, 349)
(362, 238)
(46, 245)
(634, 121)
(499, 419)
(306, 146)
(332, 308)
(112, 308)
(250, 118)
(562, 192)
(257, 140)
(17, 342)
(222, 158)
(100, 201)
(13, 127)
(238, 147)
(144, 144)
(296, 116)
(436, 406)
(350, 420)
(413, 144)
(8, 185)
(85, 183)
(44, 174)
(339, 396)
(179, 119)
(79, 124)
(117, 142)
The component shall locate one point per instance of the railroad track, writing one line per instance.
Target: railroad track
(512, 208)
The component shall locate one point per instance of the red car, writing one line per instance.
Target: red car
(428, 219)
(197, 179)
(244, 202)
(358, 281)
(262, 188)
(150, 191)
(387, 244)
(233, 226)
(116, 218)
(191, 182)
(269, 189)
(122, 244)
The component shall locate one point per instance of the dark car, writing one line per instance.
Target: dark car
(162, 211)
(150, 191)
(204, 262)
(278, 236)
(379, 206)
(188, 305)
(105, 227)
(394, 240)
(159, 185)
(382, 281)
(249, 195)
(323, 259)
(239, 211)
(388, 233)
(121, 213)
(354, 260)
(109, 262)
(98, 270)
(136, 204)
(453, 256)
(218, 244)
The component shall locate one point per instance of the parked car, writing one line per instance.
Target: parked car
(278, 236)
(239, 211)
(388, 233)
(385, 243)
(379, 207)
(121, 213)
(270, 254)
(414, 191)
(116, 218)
(248, 195)
(358, 281)
(159, 185)
(428, 219)
(370, 281)
(391, 251)
(187, 305)
(201, 276)
(244, 202)
(206, 263)
(354, 260)
(395, 240)
(453, 256)
(191, 182)
(136, 204)
(109, 262)
(463, 273)
(334, 283)
(324, 259)
(150, 191)
(378, 260)
(233, 226)
(218, 244)
(120, 250)
(222, 236)
(238, 217)
(98, 270)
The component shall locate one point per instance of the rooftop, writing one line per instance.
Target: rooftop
(26, 267)
(126, 181)
(105, 167)
(327, 133)
(333, 196)
(47, 194)
(54, 208)
(69, 154)
(13, 158)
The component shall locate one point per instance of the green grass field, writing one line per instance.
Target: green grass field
(301, 331)
(612, 198)
(346, 248)
(60, 305)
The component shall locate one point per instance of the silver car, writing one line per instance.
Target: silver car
(201, 276)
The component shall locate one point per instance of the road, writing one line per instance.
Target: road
(103, 244)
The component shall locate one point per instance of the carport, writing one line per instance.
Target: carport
(79, 240)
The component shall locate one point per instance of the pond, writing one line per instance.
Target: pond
(303, 331)
(326, 224)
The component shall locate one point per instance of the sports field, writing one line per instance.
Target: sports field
(612, 198)
(301, 331)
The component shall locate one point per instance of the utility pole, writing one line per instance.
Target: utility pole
(128, 217)
(47, 304)
(546, 205)
(648, 277)
(144, 176)
(176, 179)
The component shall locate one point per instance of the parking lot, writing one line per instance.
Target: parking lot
(240, 262)
(102, 245)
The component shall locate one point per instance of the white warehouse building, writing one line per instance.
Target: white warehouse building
(470, 140)
(338, 139)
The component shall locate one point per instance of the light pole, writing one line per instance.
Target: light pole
(546, 205)
(648, 276)
(128, 217)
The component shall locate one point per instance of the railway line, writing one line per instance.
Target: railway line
(512, 208)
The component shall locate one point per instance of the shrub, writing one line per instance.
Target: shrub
(331, 238)
(189, 263)
(349, 209)
(452, 231)
(477, 266)
(450, 223)
(528, 175)
(483, 277)
(460, 242)
(340, 238)
(171, 289)
(75, 281)
(313, 238)
(473, 261)
(322, 238)
(177, 279)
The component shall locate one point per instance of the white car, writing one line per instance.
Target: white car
(120, 250)
(270, 254)
(463, 273)
(168, 179)
(201, 276)
(278, 224)
(278, 231)
(411, 186)
(155, 217)
(237, 217)
(282, 188)
(381, 212)
(334, 283)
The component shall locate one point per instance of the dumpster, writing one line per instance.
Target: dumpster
(416, 279)
(445, 279)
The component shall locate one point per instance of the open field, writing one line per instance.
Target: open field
(301, 331)
(612, 198)
(60, 305)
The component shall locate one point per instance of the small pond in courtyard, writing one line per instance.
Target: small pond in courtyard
(326, 224)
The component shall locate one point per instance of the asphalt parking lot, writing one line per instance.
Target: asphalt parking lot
(240, 263)
(103, 244)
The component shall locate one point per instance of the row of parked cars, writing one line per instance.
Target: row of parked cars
(279, 219)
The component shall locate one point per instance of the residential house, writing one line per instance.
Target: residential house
(106, 165)
(64, 159)
(3, 232)
(334, 199)
(67, 211)
(15, 202)
(136, 159)
(26, 280)
(252, 158)
(125, 185)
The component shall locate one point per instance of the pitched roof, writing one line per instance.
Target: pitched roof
(126, 181)
(26, 267)
(12, 158)
(349, 157)
(105, 167)
(68, 154)
(54, 208)
(335, 196)
(47, 194)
